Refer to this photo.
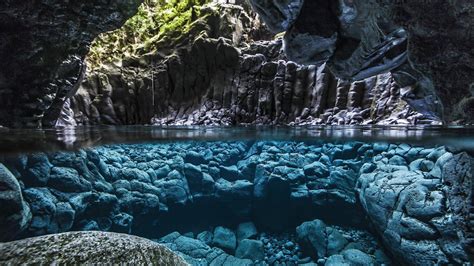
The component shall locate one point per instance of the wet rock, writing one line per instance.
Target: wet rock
(88, 248)
(43, 208)
(197, 252)
(230, 173)
(246, 230)
(250, 249)
(38, 169)
(312, 236)
(67, 180)
(50, 82)
(414, 205)
(122, 223)
(351, 257)
(205, 237)
(317, 169)
(195, 158)
(174, 188)
(224, 238)
(15, 212)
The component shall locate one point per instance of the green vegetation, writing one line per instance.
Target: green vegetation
(158, 24)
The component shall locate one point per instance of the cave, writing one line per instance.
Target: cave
(252, 132)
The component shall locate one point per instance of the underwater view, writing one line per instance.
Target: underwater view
(281, 197)
(237, 132)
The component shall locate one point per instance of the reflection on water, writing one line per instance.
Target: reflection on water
(70, 138)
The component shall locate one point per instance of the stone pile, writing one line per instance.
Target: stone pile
(415, 197)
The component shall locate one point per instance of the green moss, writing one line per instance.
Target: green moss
(158, 24)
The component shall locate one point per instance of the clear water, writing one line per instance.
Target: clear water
(298, 195)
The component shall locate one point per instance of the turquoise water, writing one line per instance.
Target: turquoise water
(250, 195)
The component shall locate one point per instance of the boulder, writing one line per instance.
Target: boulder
(87, 248)
(43, 208)
(225, 239)
(350, 257)
(68, 180)
(230, 173)
(37, 170)
(205, 237)
(246, 230)
(250, 249)
(194, 158)
(357, 258)
(317, 169)
(312, 237)
(15, 212)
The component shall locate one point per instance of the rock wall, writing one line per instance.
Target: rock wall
(44, 44)
(42, 51)
(214, 83)
(440, 33)
(361, 38)
(415, 197)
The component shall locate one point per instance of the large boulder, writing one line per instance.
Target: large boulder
(68, 180)
(196, 252)
(250, 249)
(15, 212)
(225, 239)
(350, 257)
(420, 216)
(87, 248)
(246, 230)
(319, 240)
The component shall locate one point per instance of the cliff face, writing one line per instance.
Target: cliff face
(42, 49)
(213, 83)
(441, 37)
(360, 38)
(226, 76)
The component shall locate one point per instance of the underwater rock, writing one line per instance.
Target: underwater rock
(67, 180)
(205, 237)
(410, 209)
(246, 230)
(14, 209)
(319, 240)
(250, 249)
(87, 248)
(409, 194)
(224, 238)
(350, 257)
(38, 169)
(196, 252)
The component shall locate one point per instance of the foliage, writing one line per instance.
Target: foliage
(156, 22)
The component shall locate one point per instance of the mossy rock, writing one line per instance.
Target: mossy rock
(87, 248)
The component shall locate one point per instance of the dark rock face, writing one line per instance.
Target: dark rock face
(359, 39)
(43, 45)
(440, 33)
(414, 196)
(214, 83)
(15, 211)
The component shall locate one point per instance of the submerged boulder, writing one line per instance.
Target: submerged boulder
(250, 249)
(319, 240)
(224, 238)
(87, 248)
(15, 212)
